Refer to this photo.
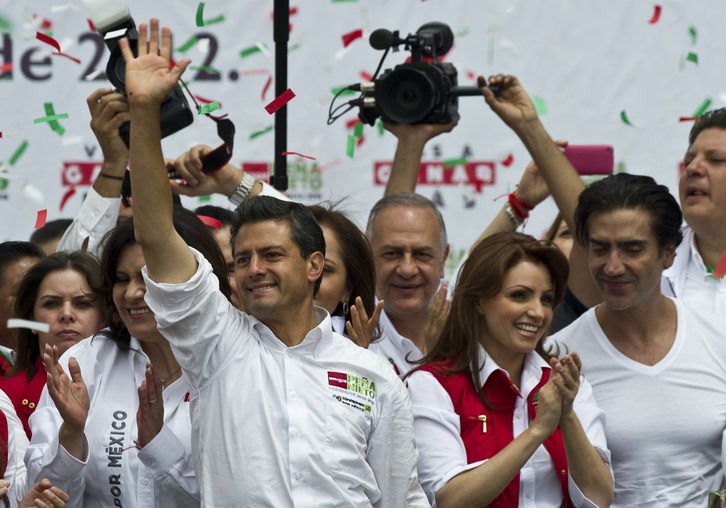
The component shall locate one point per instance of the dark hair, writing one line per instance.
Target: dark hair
(625, 191)
(407, 199)
(194, 233)
(305, 231)
(82, 262)
(714, 119)
(357, 257)
(481, 277)
(223, 215)
(12, 251)
(51, 230)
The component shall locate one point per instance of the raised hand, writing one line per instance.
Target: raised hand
(549, 408)
(149, 76)
(511, 103)
(360, 328)
(438, 312)
(566, 377)
(150, 415)
(69, 394)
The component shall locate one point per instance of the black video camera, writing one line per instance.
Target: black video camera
(113, 22)
(423, 90)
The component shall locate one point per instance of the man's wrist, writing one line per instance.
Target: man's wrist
(244, 187)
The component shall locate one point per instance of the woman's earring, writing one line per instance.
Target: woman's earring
(345, 308)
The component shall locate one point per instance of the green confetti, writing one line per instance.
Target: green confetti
(703, 108)
(692, 57)
(205, 68)
(5, 25)
(200, 17)
(208, 108)
(450, 163)
(257, 134)
(293, 47)
(694, 34)
(18, 153)
(358, 130)
(462, 33)
(251, 50)
(350, 147)
(624, 118)
(342, 90)
(4, 182)
(539, 105)
(620, 168)
(188, 44)
(52, 118)
(380, 127)
(205, 199)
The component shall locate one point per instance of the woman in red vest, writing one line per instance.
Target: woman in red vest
(498, 421)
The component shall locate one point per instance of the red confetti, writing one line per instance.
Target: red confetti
(508, 161)
(721, 267)
(207, 101)
(351, 36)
(266, 87)
(366, 76)
(68, 195)
(255, 72)
(321, 169)
(90, 25)
(52, 42)
(280, 101)
(299, 155)
(687, 119)
(40, 219)
(351, 123)
(6, 67)
(656, 15)
(210, 221)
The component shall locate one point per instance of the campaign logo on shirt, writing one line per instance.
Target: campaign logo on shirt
(354, 391)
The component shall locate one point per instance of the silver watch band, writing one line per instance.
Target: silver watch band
(242, 190)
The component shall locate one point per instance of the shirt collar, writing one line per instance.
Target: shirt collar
(531, 372)
(317, 342)
(401, 343)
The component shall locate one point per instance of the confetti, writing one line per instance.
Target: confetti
(625, 119)
(31, 325)
(205, 68)
(68, 195)
(208, 108)
(694, 35)
(41, 218)
(257, 134)
(280, 101)
(692, 57)
(251, 50)
(265, 88)
(539, 105)
(721, 267)
(342, 91)
(200, 17)
(450, 163)
(191, 41)
(210, 221)
(18, 153)
(52, 42)
(351, 36)
(358, 130)
(508, 161)
(52, 118)
(703, 108)
(31, 192)
(204, 199)
(656, 14)
(350, 146)
(299, 155)
(380, 127)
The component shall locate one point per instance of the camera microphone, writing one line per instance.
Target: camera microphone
(384, 39)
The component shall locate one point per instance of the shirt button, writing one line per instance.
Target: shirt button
(145, 481)
(293, 394)
(518, 415)
(298, 476)
(295, 433)
(529, 495)
(25, 402)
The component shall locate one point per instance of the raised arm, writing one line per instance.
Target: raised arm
(149, 78)
(515, 108)
(406, 162)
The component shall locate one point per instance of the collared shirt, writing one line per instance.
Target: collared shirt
(115, 472)
(665, 422)
(690, 280)
(442, 452)
(323, 423)
(400, 351)
(97, 216)
(17, 443)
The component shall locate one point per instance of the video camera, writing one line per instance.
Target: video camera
(424, 90)
(113, 22)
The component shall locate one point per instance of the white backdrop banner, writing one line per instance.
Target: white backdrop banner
(613, 72)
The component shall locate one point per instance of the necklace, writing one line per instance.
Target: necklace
(170, 377)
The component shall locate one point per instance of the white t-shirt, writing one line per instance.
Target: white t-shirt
(324, 423)
(442, 452)
(400, 351)
(115, 471)
(689, 279)
(664, 422)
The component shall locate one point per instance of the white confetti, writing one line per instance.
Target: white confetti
(31, 325)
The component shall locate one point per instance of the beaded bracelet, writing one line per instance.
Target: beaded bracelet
(519, 207)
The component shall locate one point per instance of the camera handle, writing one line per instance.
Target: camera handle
(471, 91)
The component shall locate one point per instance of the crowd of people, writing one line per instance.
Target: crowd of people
(278, 355)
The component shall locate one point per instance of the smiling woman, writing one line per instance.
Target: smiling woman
(494, 415)
(62, 290)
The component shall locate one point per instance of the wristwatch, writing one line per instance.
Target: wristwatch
(242, 190)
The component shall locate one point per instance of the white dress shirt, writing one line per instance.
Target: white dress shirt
(324, 423)
(17, 443)
(400, 351)
(442, 452)
(115, 472)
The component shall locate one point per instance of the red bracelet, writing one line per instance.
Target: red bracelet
(520, 207)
